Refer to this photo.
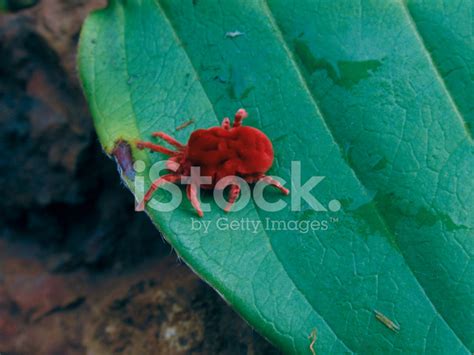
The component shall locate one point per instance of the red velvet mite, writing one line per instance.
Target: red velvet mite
(222, 151)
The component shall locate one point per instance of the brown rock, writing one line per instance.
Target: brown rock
(35, 291)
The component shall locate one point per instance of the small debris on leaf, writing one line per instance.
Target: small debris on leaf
(386, 321)
(313, 337)
(123, 156)
(220, 79)
(185, 124)
(233, 34)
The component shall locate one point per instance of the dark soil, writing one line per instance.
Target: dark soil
(80, 271)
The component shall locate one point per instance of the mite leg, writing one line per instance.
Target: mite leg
(169, 139)
(155, 148)
(154, 186)
(191, 192)
(239, 116)
(226, 123)
(234, 193)
(275, 183)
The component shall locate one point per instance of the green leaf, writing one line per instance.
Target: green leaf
(445, 29)
(353, 92)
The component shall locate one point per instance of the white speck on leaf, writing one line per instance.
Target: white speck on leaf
(233, 34)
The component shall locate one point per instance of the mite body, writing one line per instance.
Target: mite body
(219, 152)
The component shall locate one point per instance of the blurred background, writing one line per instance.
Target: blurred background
(80, 271)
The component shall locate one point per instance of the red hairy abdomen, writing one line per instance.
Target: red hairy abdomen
(241, 151)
